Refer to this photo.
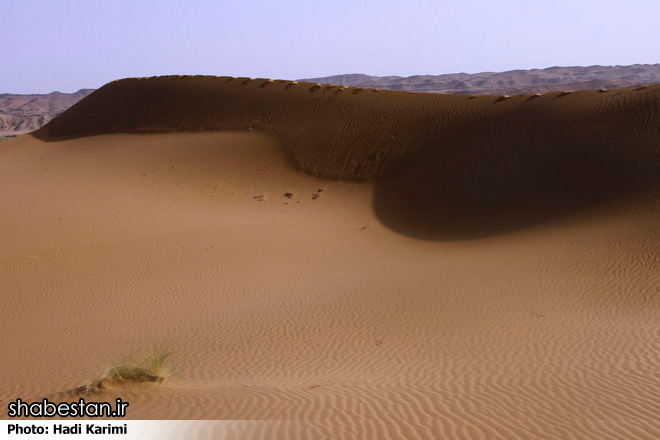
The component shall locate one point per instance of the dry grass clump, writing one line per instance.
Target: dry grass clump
(153, 369)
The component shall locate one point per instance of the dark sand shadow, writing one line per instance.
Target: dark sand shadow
(515, 171)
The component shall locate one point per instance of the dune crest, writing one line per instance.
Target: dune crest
(451, 166)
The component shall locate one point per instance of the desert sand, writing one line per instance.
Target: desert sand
(446, 267)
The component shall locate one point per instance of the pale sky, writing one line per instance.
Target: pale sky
(67, 45)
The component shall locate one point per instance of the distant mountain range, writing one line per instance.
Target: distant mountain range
(511, 82)
(24, 113)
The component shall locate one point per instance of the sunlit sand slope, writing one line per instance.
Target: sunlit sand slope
(493, 273)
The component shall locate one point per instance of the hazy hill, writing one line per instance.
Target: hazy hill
(24, 113)
(511, 82)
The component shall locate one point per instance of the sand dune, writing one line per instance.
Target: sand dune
(446, 266)
(462, 166)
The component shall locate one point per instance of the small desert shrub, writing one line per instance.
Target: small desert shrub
(153, 369)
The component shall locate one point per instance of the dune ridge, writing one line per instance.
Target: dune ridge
(334, 131)
(325, 115)
(327, 130)
(454, 167)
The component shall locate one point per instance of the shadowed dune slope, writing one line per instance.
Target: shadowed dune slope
(452, 167)
(330, 131)
(545, 159)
